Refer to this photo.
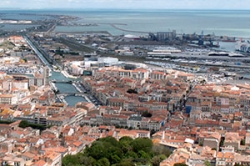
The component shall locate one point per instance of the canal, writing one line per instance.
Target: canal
(66, 88)
(62, 87)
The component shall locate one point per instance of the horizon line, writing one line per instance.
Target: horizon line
(76, 9)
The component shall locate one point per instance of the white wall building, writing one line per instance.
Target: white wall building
(108, 60)
(8, 99)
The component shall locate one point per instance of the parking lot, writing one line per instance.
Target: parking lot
(19, 69)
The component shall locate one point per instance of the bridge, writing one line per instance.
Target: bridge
(71, 94)
(51, 29)
(61, 97)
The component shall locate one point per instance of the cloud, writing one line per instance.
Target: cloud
(146, 4)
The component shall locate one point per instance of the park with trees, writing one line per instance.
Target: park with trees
(123, 152)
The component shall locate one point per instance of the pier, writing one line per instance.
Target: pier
(126, 30)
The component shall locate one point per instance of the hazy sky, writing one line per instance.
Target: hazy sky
(127, 4)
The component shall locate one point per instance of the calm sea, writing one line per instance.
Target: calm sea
(221, 23)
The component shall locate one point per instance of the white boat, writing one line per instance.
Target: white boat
(233, 54)
(242, 46)
(50, 72)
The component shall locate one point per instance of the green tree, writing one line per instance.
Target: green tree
(87, 161)
(207, 163)
(103, 162)
(131, 154)
(115, 154)
(144, 155)
(125, 144)
(159, 149)
(70, 160)
(126, 139)
(5, 122)
(24, 124)
(125, 152)
(106, 148)
(98, 150)
(156, 160)
(110, 140)
(115, 159)
(144, 144)
(126, 162)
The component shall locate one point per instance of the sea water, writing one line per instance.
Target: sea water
(219, 22)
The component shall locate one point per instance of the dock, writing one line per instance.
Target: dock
(126, 30)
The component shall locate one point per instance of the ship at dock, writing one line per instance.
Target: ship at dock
(228, 54)
(243, 46)
(228, 39)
